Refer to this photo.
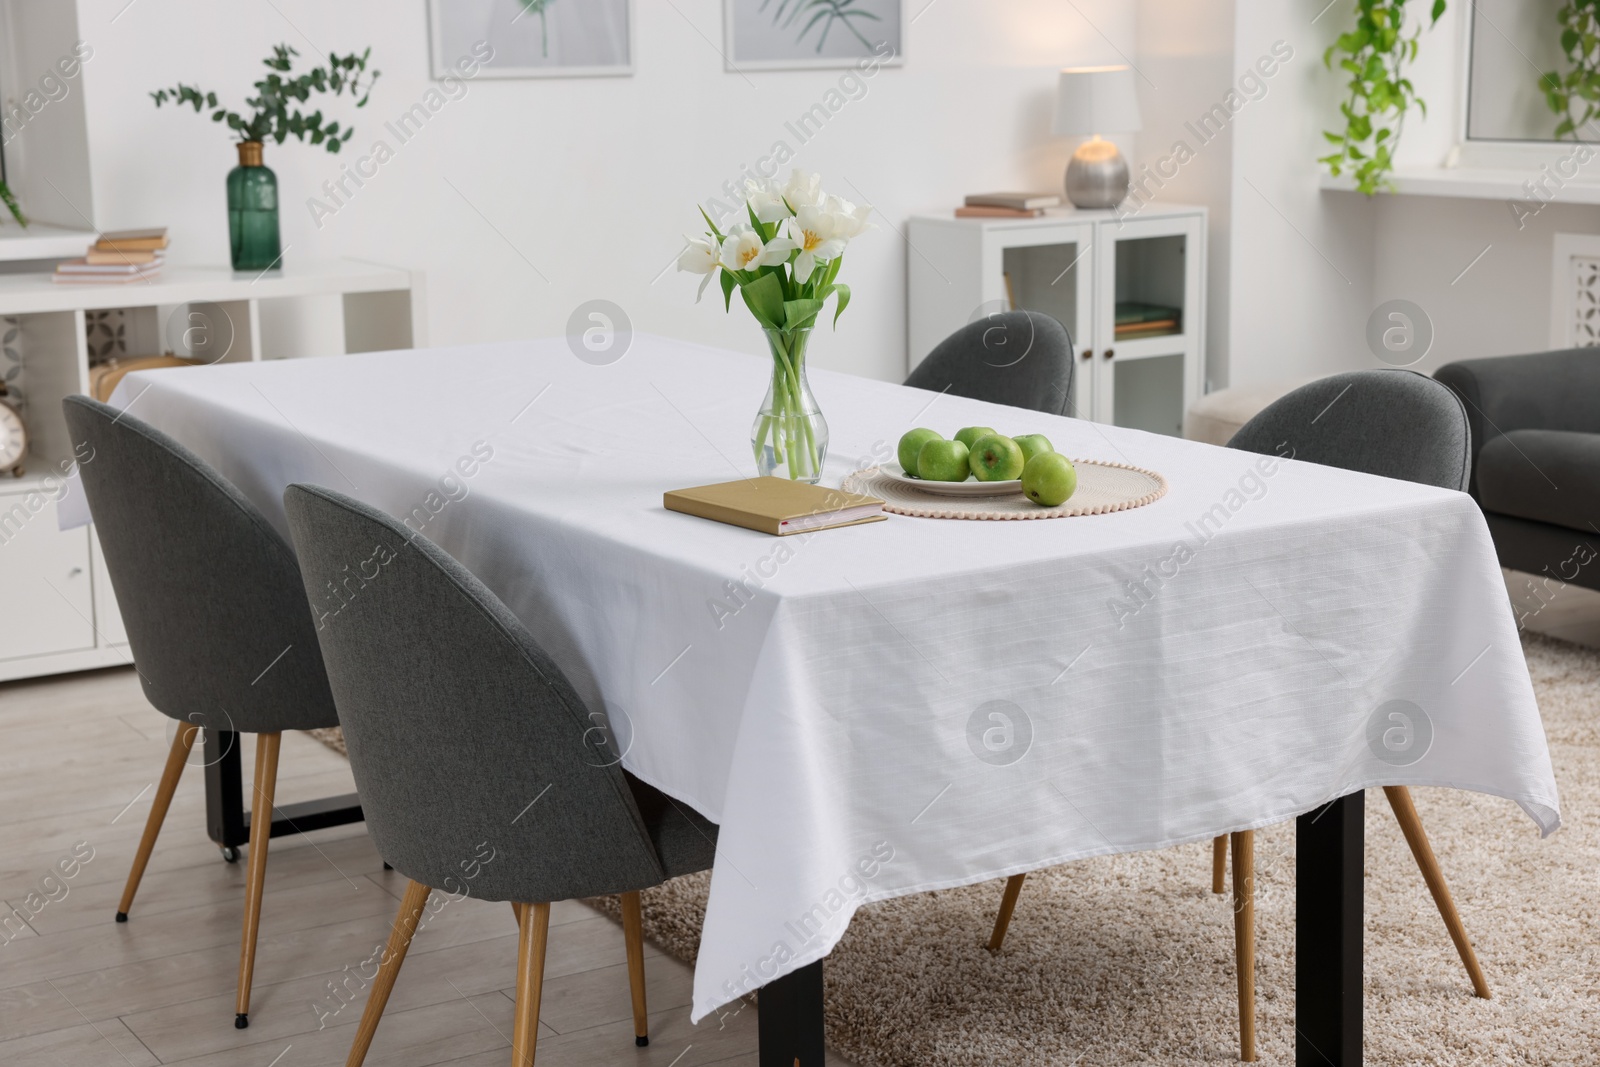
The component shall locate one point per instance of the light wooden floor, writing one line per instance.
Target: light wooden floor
(78, 756)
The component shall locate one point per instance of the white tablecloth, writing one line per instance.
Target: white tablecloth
(916, 703)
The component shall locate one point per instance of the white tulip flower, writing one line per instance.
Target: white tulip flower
(818, 234)
(701, 257)
(852, 219)
(803, 190)
(766, 200)
(744, 250)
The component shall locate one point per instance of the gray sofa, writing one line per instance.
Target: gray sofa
(1536, 457)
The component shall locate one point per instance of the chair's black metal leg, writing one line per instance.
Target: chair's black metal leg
(1328, 930)
(225, 821)
(790, 1015)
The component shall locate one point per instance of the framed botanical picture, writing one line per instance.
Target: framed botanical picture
(532, 38)
(797, 34)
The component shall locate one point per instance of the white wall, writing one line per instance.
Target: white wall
(1186, 64)
(585, 187)
(1301, 258)
(1427, 249)
(1309, 266)
(1501, 306)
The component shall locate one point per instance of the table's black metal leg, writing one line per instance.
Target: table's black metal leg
(1328, 927)
(790, 1014)
(228, 824)
(225, 820)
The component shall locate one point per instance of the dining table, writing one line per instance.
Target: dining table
(920, 703)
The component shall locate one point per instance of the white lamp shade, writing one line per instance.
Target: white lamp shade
(1092, 100)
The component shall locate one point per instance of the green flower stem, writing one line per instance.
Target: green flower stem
(793, 439)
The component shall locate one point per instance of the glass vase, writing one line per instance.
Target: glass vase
(790, 436)
(253, 211)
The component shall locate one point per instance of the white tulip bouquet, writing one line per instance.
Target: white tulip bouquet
(785, 263)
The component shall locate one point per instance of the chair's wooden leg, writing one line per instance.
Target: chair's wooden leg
(1244, 938)
(1219, 862)
(266, 786)
(1008, 904)
(1405, 812)
(177, 756)
(633, 934)
(530, 982)
(400, 935)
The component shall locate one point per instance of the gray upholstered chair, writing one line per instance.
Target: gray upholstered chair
(479, 767)
(1393, 423)
(216, 618)
(1536, 458)
(1020, 358)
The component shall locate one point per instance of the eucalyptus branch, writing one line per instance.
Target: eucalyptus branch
(1375, 55)
(273, 114)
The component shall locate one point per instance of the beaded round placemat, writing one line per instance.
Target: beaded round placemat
(1102, 488)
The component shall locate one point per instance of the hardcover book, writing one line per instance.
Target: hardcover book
(775, 506)
(1015, 201)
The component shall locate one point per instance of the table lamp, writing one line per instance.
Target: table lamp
(1093, 101)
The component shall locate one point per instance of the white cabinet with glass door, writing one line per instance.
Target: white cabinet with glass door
(1130, 291)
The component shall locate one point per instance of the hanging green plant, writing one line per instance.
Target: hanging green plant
(1375, 54)
(9, 199)
(1575, 95)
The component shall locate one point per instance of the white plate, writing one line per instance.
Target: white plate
(970, 487)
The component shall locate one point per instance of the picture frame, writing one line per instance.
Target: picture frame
(812, 34)
(533, 38)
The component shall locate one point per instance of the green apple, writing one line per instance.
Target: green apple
(943, 461)
(968, 435)
(911, 446)
(1049, 479)
(1033, 444)
(996, 458)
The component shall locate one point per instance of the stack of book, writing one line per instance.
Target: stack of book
(1135, 319)
(1007, 205)
(118, 256)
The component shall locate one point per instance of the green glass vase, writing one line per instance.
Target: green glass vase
(253, 211)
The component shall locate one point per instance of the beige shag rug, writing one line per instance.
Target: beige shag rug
(1129, 959)
(333, 737)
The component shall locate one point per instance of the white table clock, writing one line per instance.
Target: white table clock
(13, 437)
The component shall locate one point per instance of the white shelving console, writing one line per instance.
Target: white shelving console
(57, 611)
(1076, 266)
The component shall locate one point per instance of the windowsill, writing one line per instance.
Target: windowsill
(1479, 183)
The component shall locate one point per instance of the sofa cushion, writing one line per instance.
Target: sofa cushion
(1544, 475)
